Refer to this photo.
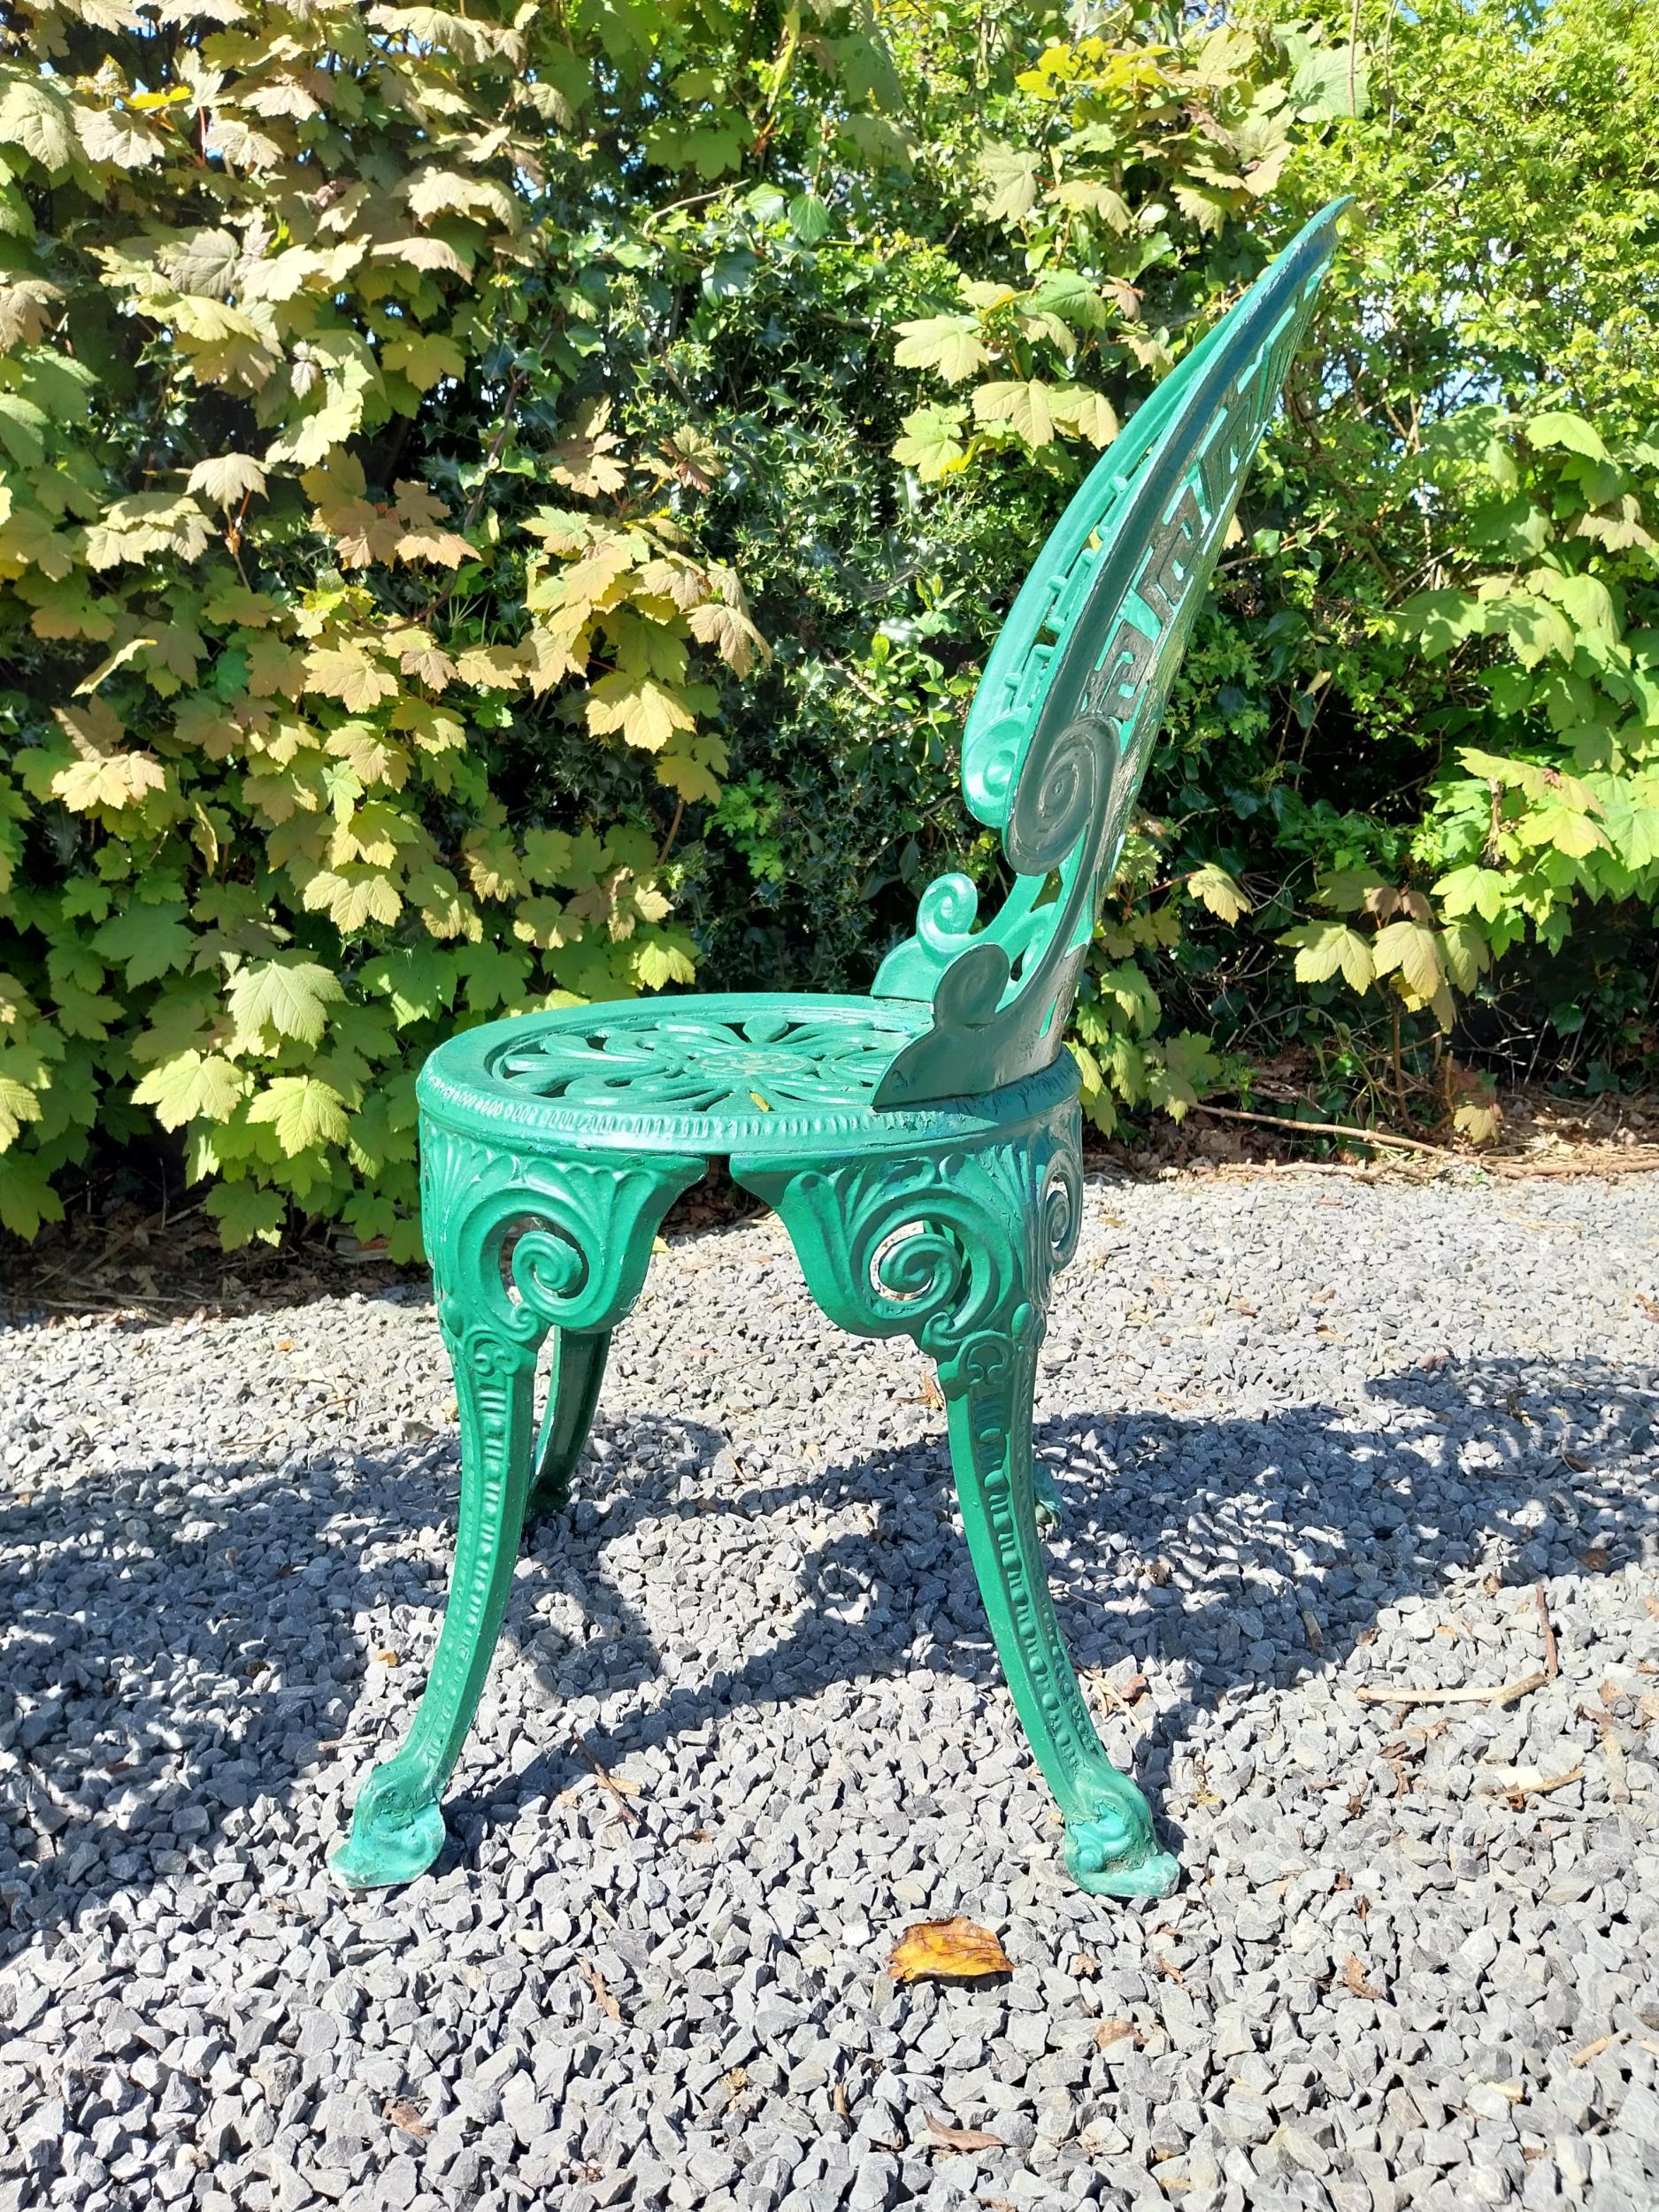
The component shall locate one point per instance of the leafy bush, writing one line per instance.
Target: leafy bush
(414, 427)
(358, 669)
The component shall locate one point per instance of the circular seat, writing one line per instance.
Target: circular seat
(716, 1073)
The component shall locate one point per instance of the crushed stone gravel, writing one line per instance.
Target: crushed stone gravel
(1313, 1438)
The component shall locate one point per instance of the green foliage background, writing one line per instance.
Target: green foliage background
(510, 506)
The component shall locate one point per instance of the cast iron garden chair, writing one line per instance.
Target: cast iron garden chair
(921, 1144)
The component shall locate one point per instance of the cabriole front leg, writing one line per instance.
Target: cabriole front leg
(397, 1825)
(519, 1246)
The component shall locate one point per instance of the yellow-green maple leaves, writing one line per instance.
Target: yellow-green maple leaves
(274, 690)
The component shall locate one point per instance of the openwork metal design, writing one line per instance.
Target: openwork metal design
(1062, 726)
(922, 1147)
(670, 1053)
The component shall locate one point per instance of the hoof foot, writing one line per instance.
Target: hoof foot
(381, 1851)
(1110, 1857)
(1050, 1507)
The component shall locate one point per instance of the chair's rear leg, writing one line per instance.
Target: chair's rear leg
(573, 1393)
(1110, 1845)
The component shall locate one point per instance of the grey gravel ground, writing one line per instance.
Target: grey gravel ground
(1314, 1435)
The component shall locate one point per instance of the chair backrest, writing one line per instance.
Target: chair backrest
(1061, 728)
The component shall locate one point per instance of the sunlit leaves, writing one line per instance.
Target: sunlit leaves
(1220, 892)
(191, 1085)
(1010, 176)
(950, 344)
(269, 999)
(933, 442)
(302, 1110)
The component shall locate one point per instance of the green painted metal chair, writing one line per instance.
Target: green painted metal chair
(922, 1145)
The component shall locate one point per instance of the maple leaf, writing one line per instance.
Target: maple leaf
(36, 117)
(146, 941)
(425, 359)
(731, 633)
(1323, 948)
(932, 444)
(1218, 891)
(950, 344)
(1009, 174)
(115, 780)
(149, 522)
(645, 713)
(584, 463)
(1024, 406)
(17, 1104)
(346, 674)
(244, 1212)
(287, 997)
(1413, 948)
(191, 1085)
(353, 897)
(117, 136)
(26, 311)
(302, 1110)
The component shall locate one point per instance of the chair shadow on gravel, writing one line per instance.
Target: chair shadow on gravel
(206, 1659)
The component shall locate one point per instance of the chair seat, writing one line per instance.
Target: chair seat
(716, 1073)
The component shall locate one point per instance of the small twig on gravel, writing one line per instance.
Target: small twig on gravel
(1330, 1129)
(1498, 1694)
(1552, 1658)
(1529, 1782)
(1594, 2050)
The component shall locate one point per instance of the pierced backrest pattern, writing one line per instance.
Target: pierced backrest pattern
(1061, 725)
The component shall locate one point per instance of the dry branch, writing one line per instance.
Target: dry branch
(1498, 1694)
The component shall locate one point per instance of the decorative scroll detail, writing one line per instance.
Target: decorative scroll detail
(674, 1056)
(583, 1231)
(958, 1247)
(1062, 725)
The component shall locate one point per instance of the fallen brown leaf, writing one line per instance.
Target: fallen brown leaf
(399, 2113)
(957, 1949)
(1110, 2032)
(1085, 1966)
(1354, 1976)
(1653, 1606)
(390, 1658)
(1595, 1558)
(607, 2003)
(951, 2139)
(838, 2101)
